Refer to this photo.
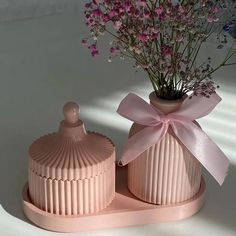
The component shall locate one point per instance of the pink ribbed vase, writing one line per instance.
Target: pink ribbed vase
(166, 173)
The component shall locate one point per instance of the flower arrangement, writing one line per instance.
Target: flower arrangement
(164, 37)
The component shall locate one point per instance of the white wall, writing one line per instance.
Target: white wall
(20, 9)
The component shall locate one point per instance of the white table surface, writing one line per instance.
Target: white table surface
(43, 65)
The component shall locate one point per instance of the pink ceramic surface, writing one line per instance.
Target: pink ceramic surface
(125, 210)
(73, 197)
(166, 173)
(72, 172)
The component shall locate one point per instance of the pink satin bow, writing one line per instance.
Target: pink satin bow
(194, 138)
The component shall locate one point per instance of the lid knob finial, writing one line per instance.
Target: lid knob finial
(71, 112)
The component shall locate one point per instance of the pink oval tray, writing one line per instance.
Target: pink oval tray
(125, 210)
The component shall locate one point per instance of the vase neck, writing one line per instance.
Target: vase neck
(166, 106)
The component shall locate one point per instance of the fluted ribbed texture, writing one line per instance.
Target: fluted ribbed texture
(56, 157)
(77, 197)
(165, 174)
(70, 176)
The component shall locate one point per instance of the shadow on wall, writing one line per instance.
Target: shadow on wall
(13, 173)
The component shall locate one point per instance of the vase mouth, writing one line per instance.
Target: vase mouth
(153, 96)
(166, 106)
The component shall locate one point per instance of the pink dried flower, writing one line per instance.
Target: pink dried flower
(97, 12)
(167, 50)
(143, 37)
(146, 14)
(94, 50)
(113, 13)
(84, 42)
(88, 5)
(95, 53)
(159, 10)
(114, 50)
(97, 1)
(142, 3)
(127, 6)
(117, 24)
(180, 38)
(160, 37)
(106, 17)
(181, 9)
(216, 9)
(211, 19)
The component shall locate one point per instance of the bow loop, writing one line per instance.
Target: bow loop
(139, 111)
(195, 107)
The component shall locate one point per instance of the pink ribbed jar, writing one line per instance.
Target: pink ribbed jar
(167, 173)
(72, 172)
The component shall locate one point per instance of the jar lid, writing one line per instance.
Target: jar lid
(72, 153)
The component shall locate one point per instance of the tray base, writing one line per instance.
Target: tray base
(125, 210)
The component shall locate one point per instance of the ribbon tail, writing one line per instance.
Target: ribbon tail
(203, 148)
(141, 141)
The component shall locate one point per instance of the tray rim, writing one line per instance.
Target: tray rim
(106, 218)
